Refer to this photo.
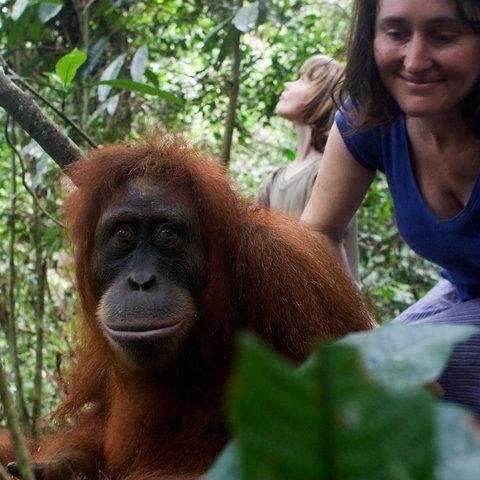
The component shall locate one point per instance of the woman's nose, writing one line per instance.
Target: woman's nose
(418, 55)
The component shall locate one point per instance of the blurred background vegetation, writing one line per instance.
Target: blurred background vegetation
(212, 69)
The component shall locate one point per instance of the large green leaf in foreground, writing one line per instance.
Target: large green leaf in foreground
(341, 426)
(402, 356)
(227, 465)
(458, 442)
(330, 419)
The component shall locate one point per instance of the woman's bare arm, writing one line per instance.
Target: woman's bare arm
(339, 189)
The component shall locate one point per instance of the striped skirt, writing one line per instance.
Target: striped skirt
(460, 379)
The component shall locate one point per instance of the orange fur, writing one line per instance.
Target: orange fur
(265, 273)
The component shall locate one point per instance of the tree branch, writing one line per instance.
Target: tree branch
(64, 117)
(26, 112)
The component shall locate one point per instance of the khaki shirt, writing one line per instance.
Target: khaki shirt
(291, 196)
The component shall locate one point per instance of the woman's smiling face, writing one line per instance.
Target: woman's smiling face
(427, 57)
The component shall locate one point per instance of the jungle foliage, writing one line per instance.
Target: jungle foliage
(110, 69)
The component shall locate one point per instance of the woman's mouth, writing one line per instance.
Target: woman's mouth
(419, 84)
(420, 81)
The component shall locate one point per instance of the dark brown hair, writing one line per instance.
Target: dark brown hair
(369, 102)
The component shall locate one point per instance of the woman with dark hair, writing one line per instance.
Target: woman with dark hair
(410, 107)
(309, 105)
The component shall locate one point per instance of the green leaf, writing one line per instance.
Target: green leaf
(18, 8)
(95, 53)
(291, 155)
(403, 356)
(213, 35)
(262, 12)
(329, 423)
(226, 466)
(139, 63)
(226, 46)
(48, 10)
(132, 86)
(246, 17)
(459, 445)
(273, 411)
(66, 68)
(151, 77)
(111, 104)
(110, 73)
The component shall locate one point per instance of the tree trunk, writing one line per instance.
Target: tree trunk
(232, 104)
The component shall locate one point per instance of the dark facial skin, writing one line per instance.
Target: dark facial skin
(148, 263)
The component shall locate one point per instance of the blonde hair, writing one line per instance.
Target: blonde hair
(324, 74)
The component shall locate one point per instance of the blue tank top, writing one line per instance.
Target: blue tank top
(454, 243)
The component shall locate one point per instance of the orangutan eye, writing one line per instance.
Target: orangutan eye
(123, 233)
(166, 234)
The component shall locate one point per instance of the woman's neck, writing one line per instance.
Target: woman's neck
(441, 132)
(305, 149)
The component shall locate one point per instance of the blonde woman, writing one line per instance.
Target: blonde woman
(308, 104)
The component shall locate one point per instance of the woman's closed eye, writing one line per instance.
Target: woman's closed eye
(443, 37)
(396, 34)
